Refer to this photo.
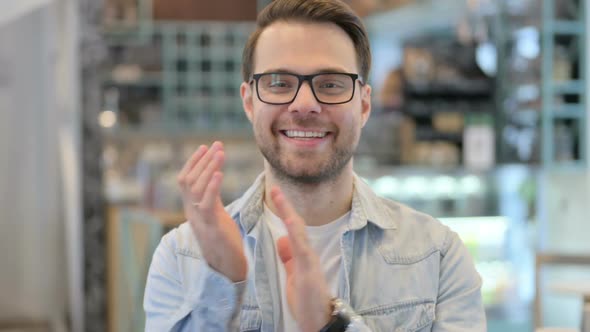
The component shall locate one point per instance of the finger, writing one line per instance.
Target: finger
(198, 188)
(212, 193)
(285, 253)
(190, 163)
(294, 223)
(202, 163)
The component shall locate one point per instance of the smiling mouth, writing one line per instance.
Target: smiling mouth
(305, 135)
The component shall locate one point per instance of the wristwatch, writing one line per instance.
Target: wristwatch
(342, 316)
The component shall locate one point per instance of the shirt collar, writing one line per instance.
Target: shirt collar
(250, 207)
(366, 207)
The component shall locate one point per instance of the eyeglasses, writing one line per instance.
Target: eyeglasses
(328, 88)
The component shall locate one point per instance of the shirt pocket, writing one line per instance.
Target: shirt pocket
(409, 316)
(250, 319)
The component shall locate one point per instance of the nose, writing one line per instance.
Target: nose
(305, 101)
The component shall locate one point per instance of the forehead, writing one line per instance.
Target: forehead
(304, 48)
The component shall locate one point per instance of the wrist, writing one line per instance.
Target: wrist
(327, 314)
(340, 318)
(239, 273)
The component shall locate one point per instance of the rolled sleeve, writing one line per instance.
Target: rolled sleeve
(215, 302)
(459, 304)
(208, 302)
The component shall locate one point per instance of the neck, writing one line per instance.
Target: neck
(318, 204)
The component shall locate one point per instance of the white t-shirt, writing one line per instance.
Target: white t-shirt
(325, 240)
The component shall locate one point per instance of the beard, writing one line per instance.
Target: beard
(308, 168)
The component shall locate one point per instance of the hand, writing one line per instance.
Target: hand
(216, 232)
(307, 291)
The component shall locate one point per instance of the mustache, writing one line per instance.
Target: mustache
(303, 120)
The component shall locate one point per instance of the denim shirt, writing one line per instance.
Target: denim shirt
(402, 271)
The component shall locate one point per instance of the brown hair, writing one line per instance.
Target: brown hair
(314, 11)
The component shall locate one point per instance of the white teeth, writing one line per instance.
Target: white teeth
(304, 134)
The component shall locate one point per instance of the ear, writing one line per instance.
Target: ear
(365, 103)
(246, 94)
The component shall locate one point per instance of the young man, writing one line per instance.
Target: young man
(309, 247)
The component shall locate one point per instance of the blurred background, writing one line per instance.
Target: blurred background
(480, 119)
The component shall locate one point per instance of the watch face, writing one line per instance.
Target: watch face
(341, 317)
(344, 319)
(339, 323)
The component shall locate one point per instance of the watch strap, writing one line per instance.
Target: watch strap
(341, 318)
(338, 323)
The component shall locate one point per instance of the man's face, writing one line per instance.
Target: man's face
(304, 49)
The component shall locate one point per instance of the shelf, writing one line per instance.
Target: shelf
(459, 89)
(196, 99)
(437, 136)
(568, 27)
(419, 112)
(180, 133)
(568, 167)
(146, 80)
(570, 87)
(433, 15)
(568, 112)
(428, 111)
(552, 112)
(120, 29)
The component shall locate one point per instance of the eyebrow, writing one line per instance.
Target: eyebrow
(321, 71)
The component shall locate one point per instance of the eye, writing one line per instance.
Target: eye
(331, 82)
(330, 85)
(278, 84)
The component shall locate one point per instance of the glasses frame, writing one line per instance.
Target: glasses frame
(308, 79)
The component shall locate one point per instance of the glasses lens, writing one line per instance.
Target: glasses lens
(333, 88)
(277, 88)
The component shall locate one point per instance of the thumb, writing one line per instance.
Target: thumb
(285, 253)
